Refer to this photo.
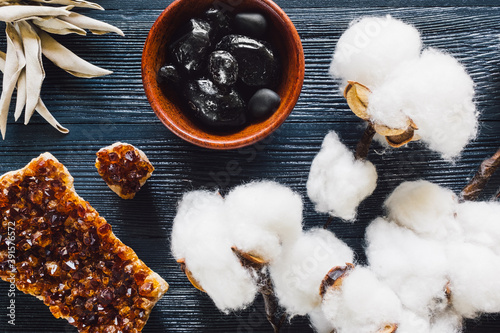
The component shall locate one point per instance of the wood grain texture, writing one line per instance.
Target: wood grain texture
(101, 111)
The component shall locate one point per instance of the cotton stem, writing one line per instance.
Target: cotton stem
(274, 314)
(477, 184)
(365, 143)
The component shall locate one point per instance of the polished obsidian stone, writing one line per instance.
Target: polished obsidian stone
(169, 74)
(223, 68)
(220, 22)
(263, 103)
(257, 63)
(191, 45)
(215, 107)
(250, 24)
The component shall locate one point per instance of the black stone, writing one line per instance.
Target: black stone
(263, 103)
(191, 45)
(214, 107)
(250, 24)
(169, 74)
(219, 21)
(223, 68)
(257, 63)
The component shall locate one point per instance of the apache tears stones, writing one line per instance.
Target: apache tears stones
(258, 64)
(213, 107)
(217, 63)
(191, 49)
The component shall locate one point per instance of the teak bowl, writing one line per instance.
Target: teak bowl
(284, 38)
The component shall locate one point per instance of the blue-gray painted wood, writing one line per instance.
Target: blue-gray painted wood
(102, 111)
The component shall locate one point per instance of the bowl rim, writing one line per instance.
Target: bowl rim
(206, 141)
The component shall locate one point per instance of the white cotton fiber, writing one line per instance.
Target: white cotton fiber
(475, 279)
(372, 48)
(481, 223)
(411, 323)
(361, 304)
(201, 237)
(415, 268)
(337, 182)
(299, 271)
(434, 91)
(319, 322)
(425, 208)
(449, 322)
(263, 216)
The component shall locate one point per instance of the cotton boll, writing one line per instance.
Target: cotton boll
(474, 276)
(372, 48)
(319, 322)
(200, 236)
(434, 91)
(425, 208)
(263, 216)
(337, 182)
(415, 268)
(297, 274)
(361, 304)
(480, 221)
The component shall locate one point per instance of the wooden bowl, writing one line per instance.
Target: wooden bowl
(283, 37)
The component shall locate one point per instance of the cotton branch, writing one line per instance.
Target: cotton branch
(364, 144)
(477, 184)
(274, 314)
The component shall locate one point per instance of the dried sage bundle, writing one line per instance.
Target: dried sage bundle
(28, 25)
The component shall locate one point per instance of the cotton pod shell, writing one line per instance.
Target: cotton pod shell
(337, 182)
(372, 48)
(414, 267)
(200, 236)
(263, 216)
(434, 91)
(480, 222)
(362, 304)
(424, 207)
(298, 272)
(474, 279)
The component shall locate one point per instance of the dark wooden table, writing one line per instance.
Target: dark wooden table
(101, 111)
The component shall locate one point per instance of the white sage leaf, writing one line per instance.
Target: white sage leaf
(14, 64)
(21, 94)
(34, 67)
(95, 26)
(76, 3)
(45, 113)
(58, 26)
(25, 12)
(67, 60)
(2, 61)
